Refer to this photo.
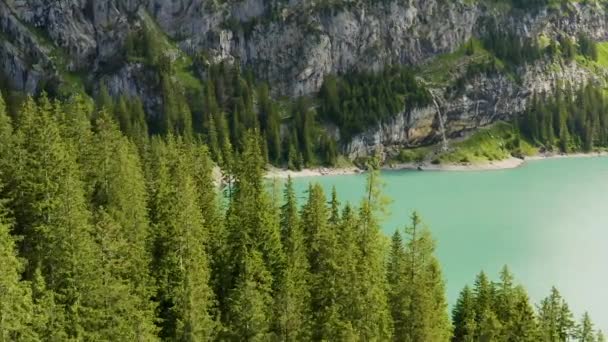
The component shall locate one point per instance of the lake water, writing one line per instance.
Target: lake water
(547, 220)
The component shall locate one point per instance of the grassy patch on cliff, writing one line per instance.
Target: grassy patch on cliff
(602, 54)
(447, 67)
(497, 142)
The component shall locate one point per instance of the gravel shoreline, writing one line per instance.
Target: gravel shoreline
(504, 164)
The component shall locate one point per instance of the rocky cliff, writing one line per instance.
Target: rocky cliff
(293, 45)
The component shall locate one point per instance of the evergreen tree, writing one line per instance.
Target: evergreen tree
(464, 318)
(523, 325)
(555, 318)
(293, 316)
(6, 144)
(323, 256)
(427, 318)
(584, 330)
(254, 247)
(374, 314)
(104, 100)
(213, 142)
(119, 203)
(181, 264)
(52, 216)
(250, 303)
(397, 280)
(16, 307)
(488, 325)
(139, 124)
(122, 115)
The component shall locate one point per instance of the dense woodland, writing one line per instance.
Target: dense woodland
(568, 120)
(358, 101)
(107, 237)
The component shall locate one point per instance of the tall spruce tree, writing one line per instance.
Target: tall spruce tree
(374, 315)
(427, 318)
(488, 325)
(463, 317)
(16, 307)
(555, 319)
(255, 252)
(292, 300)
(397, 281)
(323, 258)
(119, 203)
(585, 331)
(6, 143)
(523, 325)
(52, 216)
(181, 264)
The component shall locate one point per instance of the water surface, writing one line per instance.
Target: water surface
(547, 220)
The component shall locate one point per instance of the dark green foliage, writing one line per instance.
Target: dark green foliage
(587, 47)
(555, 318)
(571, 121)
(528, 4)
(16, 307)
(420, 304)
(510, 47)
(357, 101)
(106, 240)
(180, 263)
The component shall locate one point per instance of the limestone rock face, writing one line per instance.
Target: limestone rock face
(293, 45)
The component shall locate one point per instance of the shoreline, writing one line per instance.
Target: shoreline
(276, 173)
(505, 164)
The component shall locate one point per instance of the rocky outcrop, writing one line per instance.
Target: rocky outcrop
(484, 100)
(293, 45)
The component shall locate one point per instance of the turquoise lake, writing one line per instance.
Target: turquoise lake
(547, 220)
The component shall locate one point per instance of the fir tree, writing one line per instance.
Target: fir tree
(463, 317)
(52, 215)
(427, 318)
(181, 264)
(398, 300)
(293, 316)
(555, 319)
(584, 330)
(374, 314)
(16, 307)
(119, 202)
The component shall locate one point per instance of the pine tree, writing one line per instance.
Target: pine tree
(52, 216)
(523, 326)
(397, 281)
(122, 115)
(323, 256)
(463, 317)
(181, 264)
(255, 257)
(16, 307)
(505, 301)
(104, 100)
(584, 330)
(555, 318)
(213, 141)
(211, 211)
(427, 311)
(293, 316)
(6, 143)
(49, 316)
(600, 336)
(250, 303)
(139, 124)
(119, 203)
(488, 325)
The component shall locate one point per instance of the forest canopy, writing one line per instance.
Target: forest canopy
(103, 238)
